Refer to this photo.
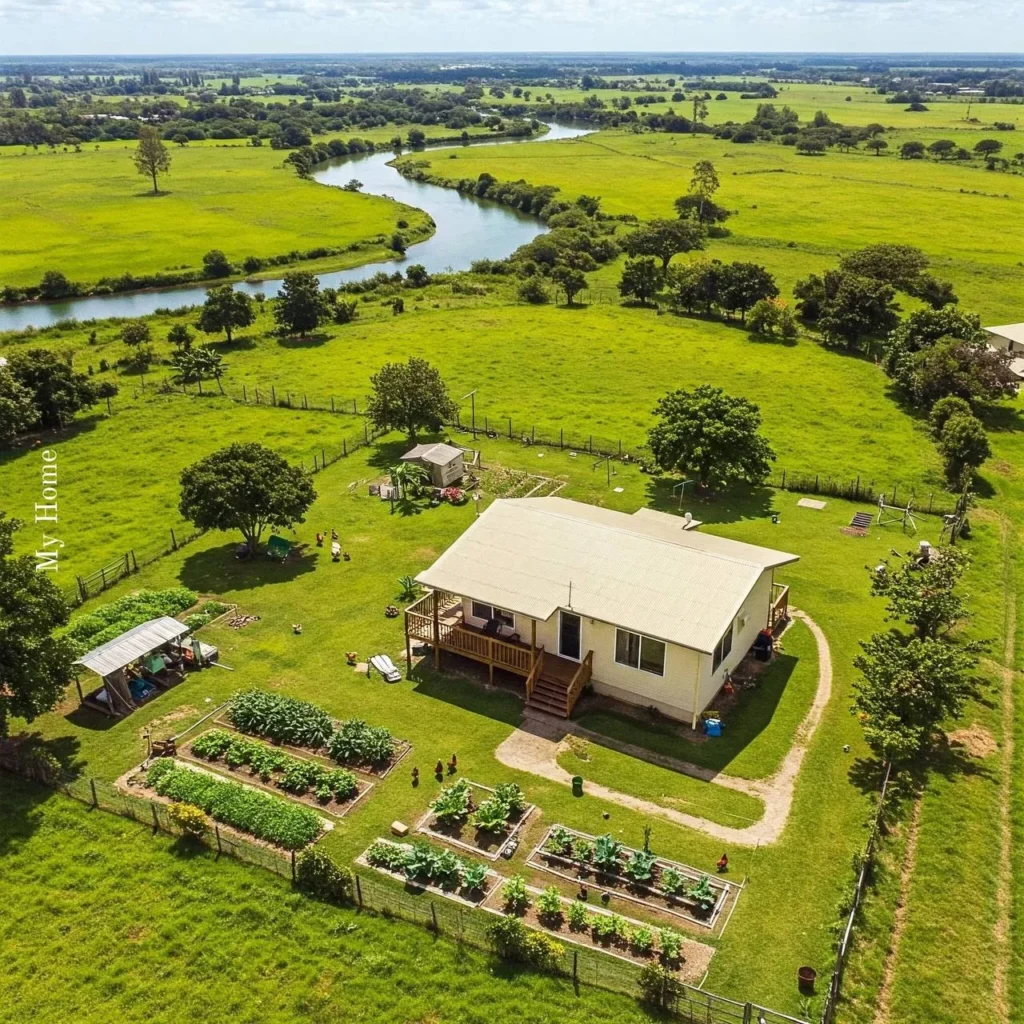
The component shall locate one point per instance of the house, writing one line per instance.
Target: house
(1009, 338)
(644, 607)
(443, 462)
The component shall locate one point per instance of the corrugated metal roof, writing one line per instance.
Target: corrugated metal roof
(644, 572)
(437, 454)
(128, 647)
(1011, 332)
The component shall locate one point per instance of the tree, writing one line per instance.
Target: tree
(944, 409)
(811, 147)
(942, 148)
(704, 211)
(694, 285)
(54, 285)
(704, 182)
(771, 317)
(18, 98)
(912, 150)
(180, 138)
(952, 366)
(898, 265)
(923, 328)
(398, 243)
(151, 156)
(57, 391)
(743, 284)
(909, 687)
(36, 666)
(641, 279)
(416, 137)
(197, 365)
(180, 337)
(409, 396)
(571, 281)
(855, 307)
(665, 239)
(135, 333)
(245, 487)
(17, 412)
(224, 310)
(533, 290)
(299, 304)
(964, 446)
(216, 264)
(417, 275)
(711, 435)
(877, 145)
(988, 147)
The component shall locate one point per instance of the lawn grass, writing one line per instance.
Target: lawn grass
(104, 920)
(89, 215)
(758, 730)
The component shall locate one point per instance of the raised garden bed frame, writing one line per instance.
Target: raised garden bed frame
(403, 747)
(668, 905)
(423, 826)
(417, 885)
(242, 775)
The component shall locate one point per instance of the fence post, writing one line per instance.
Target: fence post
(783, 480)
(748, 1012)
(81, 589)
(257, 390)
(815, 483)
(355, 408)
(305, 403)
(273, 395)
(344, 448)
(135, 563)
(174, 541)
(366, 435)
(332, 403)
(216, 832)
(245, 396)
(533, 435)
(92, 786)
(510, 428)
(561, 438)
(156, 820)
(359, 892)
(433, 917)
(620, 447)
(293, 865)
(575, 965)
(930, 496)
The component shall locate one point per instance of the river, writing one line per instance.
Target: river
(468, 229)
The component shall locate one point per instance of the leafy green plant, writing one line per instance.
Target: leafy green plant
(606, 852)
(579, 916)
(640, 866)
(549, 904)
(672, 882)
(670, 945)
(603, 927)
(241, 807)
(356, 742)
(211, 745)
(511, 796)
(474, 875)
(514, 893)
(188, 818)
(446, 869)
(514, 941)
(111, 620)
(452, 803)
(383, 854)
(641, 940)
(702, 894)
(419, 860)
(280, 718)
(559, 842)
(582, 850)
(491, 816)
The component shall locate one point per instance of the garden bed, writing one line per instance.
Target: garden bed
(277, 824)
(306, 730)
(316, 783)
(471, 896)
(690, 963)
(461, 829)
(672, 888)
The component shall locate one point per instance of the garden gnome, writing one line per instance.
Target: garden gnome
(723, 863)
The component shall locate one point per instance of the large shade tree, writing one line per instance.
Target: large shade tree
(707, 434)
(151, 157)
(35, 665)
(245, 487)
(58, 392)
(664, 239)
(299, 306)
(225, 310)
(409, 396)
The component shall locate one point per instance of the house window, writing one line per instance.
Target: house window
(488, 612)
(640, 652)
(723, 648)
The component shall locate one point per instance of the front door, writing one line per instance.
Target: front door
(569, 634)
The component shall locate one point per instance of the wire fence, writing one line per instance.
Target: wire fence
(864, 875)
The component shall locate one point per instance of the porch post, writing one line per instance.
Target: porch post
(437, 635)
(533, 641)
(408, 645)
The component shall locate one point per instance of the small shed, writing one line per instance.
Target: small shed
(138, 664)
(1009, 338)
(443, 462)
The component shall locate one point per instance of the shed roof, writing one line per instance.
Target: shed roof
(1011, 332)
(644, 572)
(134, 644)
(437, 453)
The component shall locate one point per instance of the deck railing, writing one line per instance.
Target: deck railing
(535, 673)
(579, 680)
(779, 609)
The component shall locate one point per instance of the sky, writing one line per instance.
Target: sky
(52, 27)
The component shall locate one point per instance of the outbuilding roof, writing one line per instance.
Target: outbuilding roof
(644, 572)
(134, 644)
(1011, 332)
(437, 453)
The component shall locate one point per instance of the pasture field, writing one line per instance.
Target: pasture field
(90, 215)
(794, 211)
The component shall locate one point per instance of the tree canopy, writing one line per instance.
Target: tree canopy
(225, 310)
(664, 239)
(711, 435)
(409, 396)
(245, 487)
(57, 391)
(299, 305)
(35, 665)
(151, 156)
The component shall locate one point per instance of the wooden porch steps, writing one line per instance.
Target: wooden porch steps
(550, 695)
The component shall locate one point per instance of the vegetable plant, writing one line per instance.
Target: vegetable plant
(511, 796)
(670, 944)
(514, 893)
(356, 742)
(280, 718)
(606, 852)
(212, 744)
(452, 803)
(640, 866)
(491, 816)
(641, 940)
(419, 860)
(446, 869)
(559, 841)
(603, 927)
(579, 916)
(549, 904)
(673, 882)
(474, 875)
(702, 894)
(582, 850)
(383, 854)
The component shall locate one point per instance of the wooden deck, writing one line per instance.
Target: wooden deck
(778, 610)
(553, 684)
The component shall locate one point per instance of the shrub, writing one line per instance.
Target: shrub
(188, 818)
(248, 810)
(945, 409)
(533, 290)
(514, 941)
(640, 866)
(514, 893)
(318, 875)
(658, 986)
